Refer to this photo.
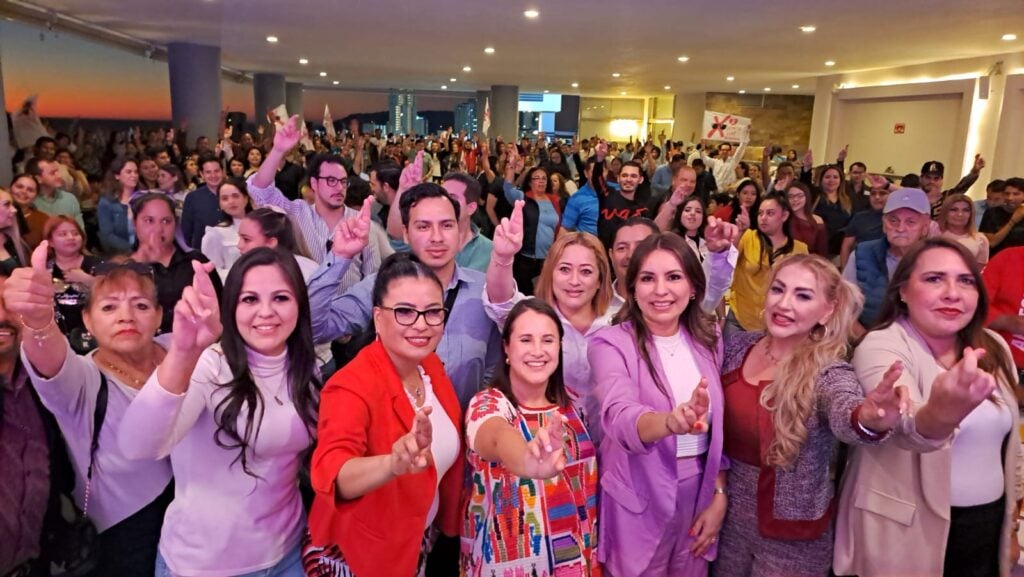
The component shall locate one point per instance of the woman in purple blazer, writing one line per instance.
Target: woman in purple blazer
(657, 372)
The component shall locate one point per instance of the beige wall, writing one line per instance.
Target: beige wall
(931, 124)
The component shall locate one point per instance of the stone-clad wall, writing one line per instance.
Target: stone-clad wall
(784, 120)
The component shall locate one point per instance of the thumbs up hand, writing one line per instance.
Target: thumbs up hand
(28, 292)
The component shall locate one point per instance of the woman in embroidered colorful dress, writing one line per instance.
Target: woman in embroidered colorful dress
(388, 467)
(532, 507)
(662, 496)
(237, 419)
(789, 397)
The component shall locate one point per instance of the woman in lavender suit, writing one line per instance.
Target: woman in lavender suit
(662, 484)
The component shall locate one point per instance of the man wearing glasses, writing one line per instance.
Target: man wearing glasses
(470, 346)
(328, 180)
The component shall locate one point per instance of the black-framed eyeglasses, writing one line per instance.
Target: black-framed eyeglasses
(334, 181)
(407, 316)
(140, 268)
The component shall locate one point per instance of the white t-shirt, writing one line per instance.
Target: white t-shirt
(977, 451)
(683, 378)
(444, 446)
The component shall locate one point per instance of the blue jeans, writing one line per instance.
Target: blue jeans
(289, 566)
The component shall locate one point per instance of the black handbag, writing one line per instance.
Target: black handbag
(74, 544)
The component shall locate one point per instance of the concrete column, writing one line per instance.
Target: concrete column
(195, 88)
(6, 150)
(688, 114)
(293, 98)
(821, 118)
(269, 93)
(505, 113)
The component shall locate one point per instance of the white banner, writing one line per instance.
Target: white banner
(722, 126)
(329, 123)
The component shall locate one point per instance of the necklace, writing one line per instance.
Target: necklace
(768, 351)
(132, 380)
(671, 345)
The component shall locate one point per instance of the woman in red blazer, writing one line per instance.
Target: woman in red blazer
(388, 466)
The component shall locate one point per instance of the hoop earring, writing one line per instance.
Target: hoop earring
(823, 335)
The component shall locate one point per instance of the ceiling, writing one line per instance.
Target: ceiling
(376, 44)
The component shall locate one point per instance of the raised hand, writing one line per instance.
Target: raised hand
(411, 452)
(886, 403)
(808, 159)
(28, 293)
(841, 157)
(601, 151)
(197, 314)
(743, 219)
(877, 181)
(352, 235)
(288, 135)
(412, 174)
(955, 393)
(545, 456)
(691, 417)
(720, 234)
(979, 163)
(508, 235)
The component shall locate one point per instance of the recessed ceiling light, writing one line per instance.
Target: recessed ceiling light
(668, 87)
(830, 63)
(453, 80)
(796, 86)
(623, 93)
(683, 59)
(323, 74)
(615, 75)
(730, 78)
(807, 29)
(546, 91)
(303, 61)
(575, 84)
(467, 68)
(767, 89)
(336, 82)
(1009, 37)
(444, 87)
(489, 50)
(272, 39)
(743, 91)
(531, 13)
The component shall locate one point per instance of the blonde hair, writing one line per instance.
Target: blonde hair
(947, 205)
(545, 286)
(14, 233)
(790, 398)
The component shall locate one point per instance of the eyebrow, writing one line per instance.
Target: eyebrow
(433, 305)
(799, 288)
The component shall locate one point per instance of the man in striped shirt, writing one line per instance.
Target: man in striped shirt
(328, 181)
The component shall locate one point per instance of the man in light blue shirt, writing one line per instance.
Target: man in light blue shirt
(51, 199)
(471, 345)
(582, 208)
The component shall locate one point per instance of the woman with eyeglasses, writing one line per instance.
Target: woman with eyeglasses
(237, 418)
(156, 225)
(388, 466)
(533, 466)
(89, 396)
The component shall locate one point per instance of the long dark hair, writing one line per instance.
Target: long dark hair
(973, 335)
(239, 183)
(555, 391)
(242, 393)
(278, 225)
(735, 204)
(767, 250)
(698, 324)
(677, 225)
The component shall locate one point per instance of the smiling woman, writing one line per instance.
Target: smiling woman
(235, 419)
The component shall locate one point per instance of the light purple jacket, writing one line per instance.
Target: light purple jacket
(638, 480)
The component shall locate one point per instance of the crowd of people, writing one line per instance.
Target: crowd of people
(387, 355)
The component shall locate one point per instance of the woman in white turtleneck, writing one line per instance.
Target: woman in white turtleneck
(220, 243)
